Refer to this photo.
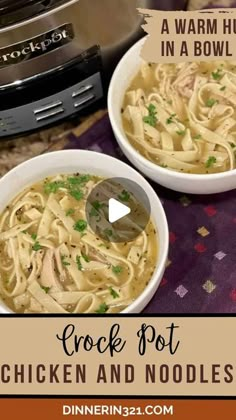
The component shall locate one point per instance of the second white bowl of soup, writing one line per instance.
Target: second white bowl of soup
(177, 123)
(52, 261)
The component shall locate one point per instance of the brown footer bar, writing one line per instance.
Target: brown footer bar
(55, 409)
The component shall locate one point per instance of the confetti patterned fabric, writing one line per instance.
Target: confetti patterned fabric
(209, 4)
(201, 272)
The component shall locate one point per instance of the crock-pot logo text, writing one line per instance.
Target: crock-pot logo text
(35, 47)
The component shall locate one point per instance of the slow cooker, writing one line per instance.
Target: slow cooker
(56, 56)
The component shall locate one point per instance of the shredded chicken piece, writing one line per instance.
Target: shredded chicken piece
(48, 275)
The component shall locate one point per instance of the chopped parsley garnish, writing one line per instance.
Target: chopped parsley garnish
(78, 262)
(70, 212)
(163, 165)
(152, 109)
(85, 257)
(77, 194)
(211, 102)
(232, 145)
(197, 137)
(73, 180)
(96, 206)
(64, 262)
(170, 119)
(124, 196)
(25, 232)
(114, 294)
(34, 236)
(181, 132)
(36, 247)
(72, 184)
(93, 212)
(108, 232)
(79, 180)
(80, 226)
(53, 187)
(46, 289)
(223, 88)
(151, 119)
(211, 160)
(217, 74)
(117, 269)
(103, 308)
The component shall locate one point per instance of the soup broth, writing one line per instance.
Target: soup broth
(182, 116)
(52, 262)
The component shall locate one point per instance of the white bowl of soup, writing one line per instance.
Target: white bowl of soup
(177, 123)
(52, 261)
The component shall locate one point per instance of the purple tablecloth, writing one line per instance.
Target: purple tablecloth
(201, 272)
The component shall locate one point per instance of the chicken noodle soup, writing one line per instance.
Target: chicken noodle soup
(182, 116)
(52, 262)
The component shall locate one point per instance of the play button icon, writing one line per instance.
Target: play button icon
(117, 210)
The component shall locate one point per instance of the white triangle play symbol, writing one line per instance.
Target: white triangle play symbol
(117, 210)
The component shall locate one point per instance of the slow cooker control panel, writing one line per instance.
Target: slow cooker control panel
(47, 99)
(67, 102)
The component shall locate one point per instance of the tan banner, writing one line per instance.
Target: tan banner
(118, 356)
(189, 36)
